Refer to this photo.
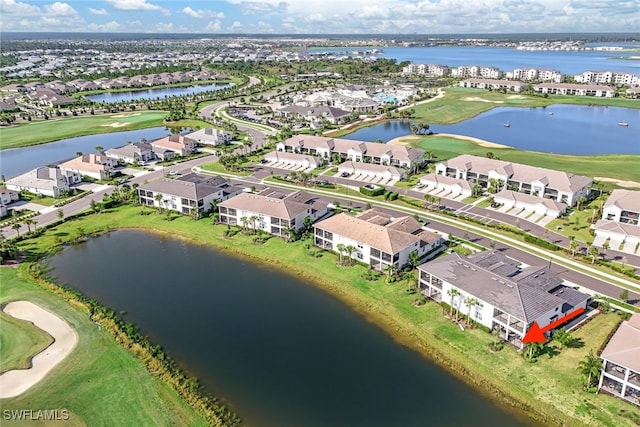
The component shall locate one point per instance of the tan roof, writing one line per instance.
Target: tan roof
(282, 155)
(555, 179)
(624, 346)
(530, 199)
(445, 180)
(378, 230)
(288, 207)
(628, 200)
(338, 145)
(175, 142)
(575, 86)
(495, 82)
(371, 167)
(617, 227)
(88, 162)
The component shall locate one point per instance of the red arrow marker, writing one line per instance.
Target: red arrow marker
(536, 333)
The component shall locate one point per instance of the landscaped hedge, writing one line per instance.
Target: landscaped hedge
(541, 242)
(378, 191)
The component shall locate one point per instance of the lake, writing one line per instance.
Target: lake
(282, 352)
(507, 59)
(16, 161)
(560, 129)
(159, 93)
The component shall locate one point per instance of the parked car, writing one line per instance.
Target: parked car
(344, 174)
(173, 173)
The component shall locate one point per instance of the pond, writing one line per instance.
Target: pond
(17, 161)
(561, 129)
(282, 352)
(152, 94)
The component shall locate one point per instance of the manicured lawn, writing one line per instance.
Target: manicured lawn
(623, 167)
(577, 224)
(54, 129)
(99, 383)
(462, 103)
(217, 167)
(19, 342)
(552, 386)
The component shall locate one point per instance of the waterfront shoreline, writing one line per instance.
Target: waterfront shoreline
(408, 139)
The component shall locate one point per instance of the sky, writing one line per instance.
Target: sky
(321, 16)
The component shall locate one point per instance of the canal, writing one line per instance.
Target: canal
(282, 352)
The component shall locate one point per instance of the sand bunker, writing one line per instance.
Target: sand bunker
(122, 116)
(406, 140)
(15, 382)
(475, 98)
(116, 124)
(627, 184)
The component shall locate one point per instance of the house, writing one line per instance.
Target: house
(510, 85)
(620, 220)
(293, 159)
(6, 198)
(528, 203)
(621, 362)
(211, 136)
(357, 151)
(600, 91)
(188, 192)
(92, 165)
(446, 185)
(505, 296)
(46, 181)
(370, 171)
(319, 112)
(176, 144)
(138, 152)
(498, 175)
(272, 211)
(378, 239)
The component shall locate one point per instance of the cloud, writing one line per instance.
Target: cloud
(60, 9)
(213, 26)
(236, 26)
(11, 7)
(109, 27)
(262, 7)
(129, 5)
(202, 14)
(98, 11)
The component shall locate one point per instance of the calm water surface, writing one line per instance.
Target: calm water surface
(160, 93)
(563, 129)
(17, 161)
(507, 59)
(282, 352)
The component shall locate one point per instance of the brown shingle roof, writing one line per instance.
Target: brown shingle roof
(624, 346)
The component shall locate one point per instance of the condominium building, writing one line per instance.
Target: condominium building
(478, 83)
(95, 166)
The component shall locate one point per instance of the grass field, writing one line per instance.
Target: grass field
(618, 166)
(41, 132)
(99, 383)
(19, 342)
(552, 385)
(462, 103)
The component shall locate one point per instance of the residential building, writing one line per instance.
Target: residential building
(536, 74)
(357, 151)
(620, 220)
(446, 185)
(599, 91)
(188, 192)
(272, 211)
(433, 70)
(378, 239)
(476, 71)
(138, 152)
(498, 293)
(371, 172)
(500, 175)
(484, 83)
(632, 92)
(177, 144)
(6, 198)
(293, 159)
(211, 136)
(95, 166)
(620, 78)
(46, 181)
(621, 362)
(528, 203)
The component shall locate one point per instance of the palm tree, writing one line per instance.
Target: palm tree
(99, 149)
(158, 198)
(391, 268)
(16, 226)
(590, 367)
(594, 251)
(414, 258)
(573, 245)
(350, 249)
(470, 302)
(253, 219)
(28, 223)
(532, 349)
(341, 248)
(244, 220)
(452, 292)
